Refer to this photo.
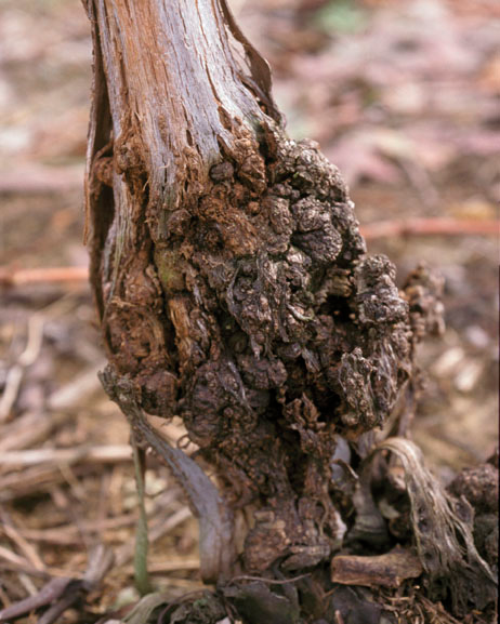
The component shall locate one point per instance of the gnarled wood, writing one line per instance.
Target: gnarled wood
(235, 291)
(230, 272)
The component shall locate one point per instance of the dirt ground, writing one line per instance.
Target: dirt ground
(403, 95)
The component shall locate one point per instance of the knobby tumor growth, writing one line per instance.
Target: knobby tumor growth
(234, 287)
(283, 336)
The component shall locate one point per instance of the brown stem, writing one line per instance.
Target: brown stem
(232, 284)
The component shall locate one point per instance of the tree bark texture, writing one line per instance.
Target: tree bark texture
(233, 286)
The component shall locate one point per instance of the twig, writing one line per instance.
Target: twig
(50, 592)
(89, 454)
(66, 534)
(34, 479)
(34, 426)
(11, 557)
(31, 352)
(20, 277)
(389, 569)
(27, 357)
(62, 593)
(9, 396)
(72, 595)
(27, 583)
(14, 535)
(41, 574)
(431, 227)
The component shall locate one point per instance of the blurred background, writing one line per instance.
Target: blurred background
(403, 95)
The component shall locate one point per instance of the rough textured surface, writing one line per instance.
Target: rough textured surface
(237, 295)
(235, 291)
(479, 486)
(262, 323)
(443, 533)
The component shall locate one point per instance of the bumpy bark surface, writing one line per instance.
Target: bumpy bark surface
(232, 281)
(233, 285)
